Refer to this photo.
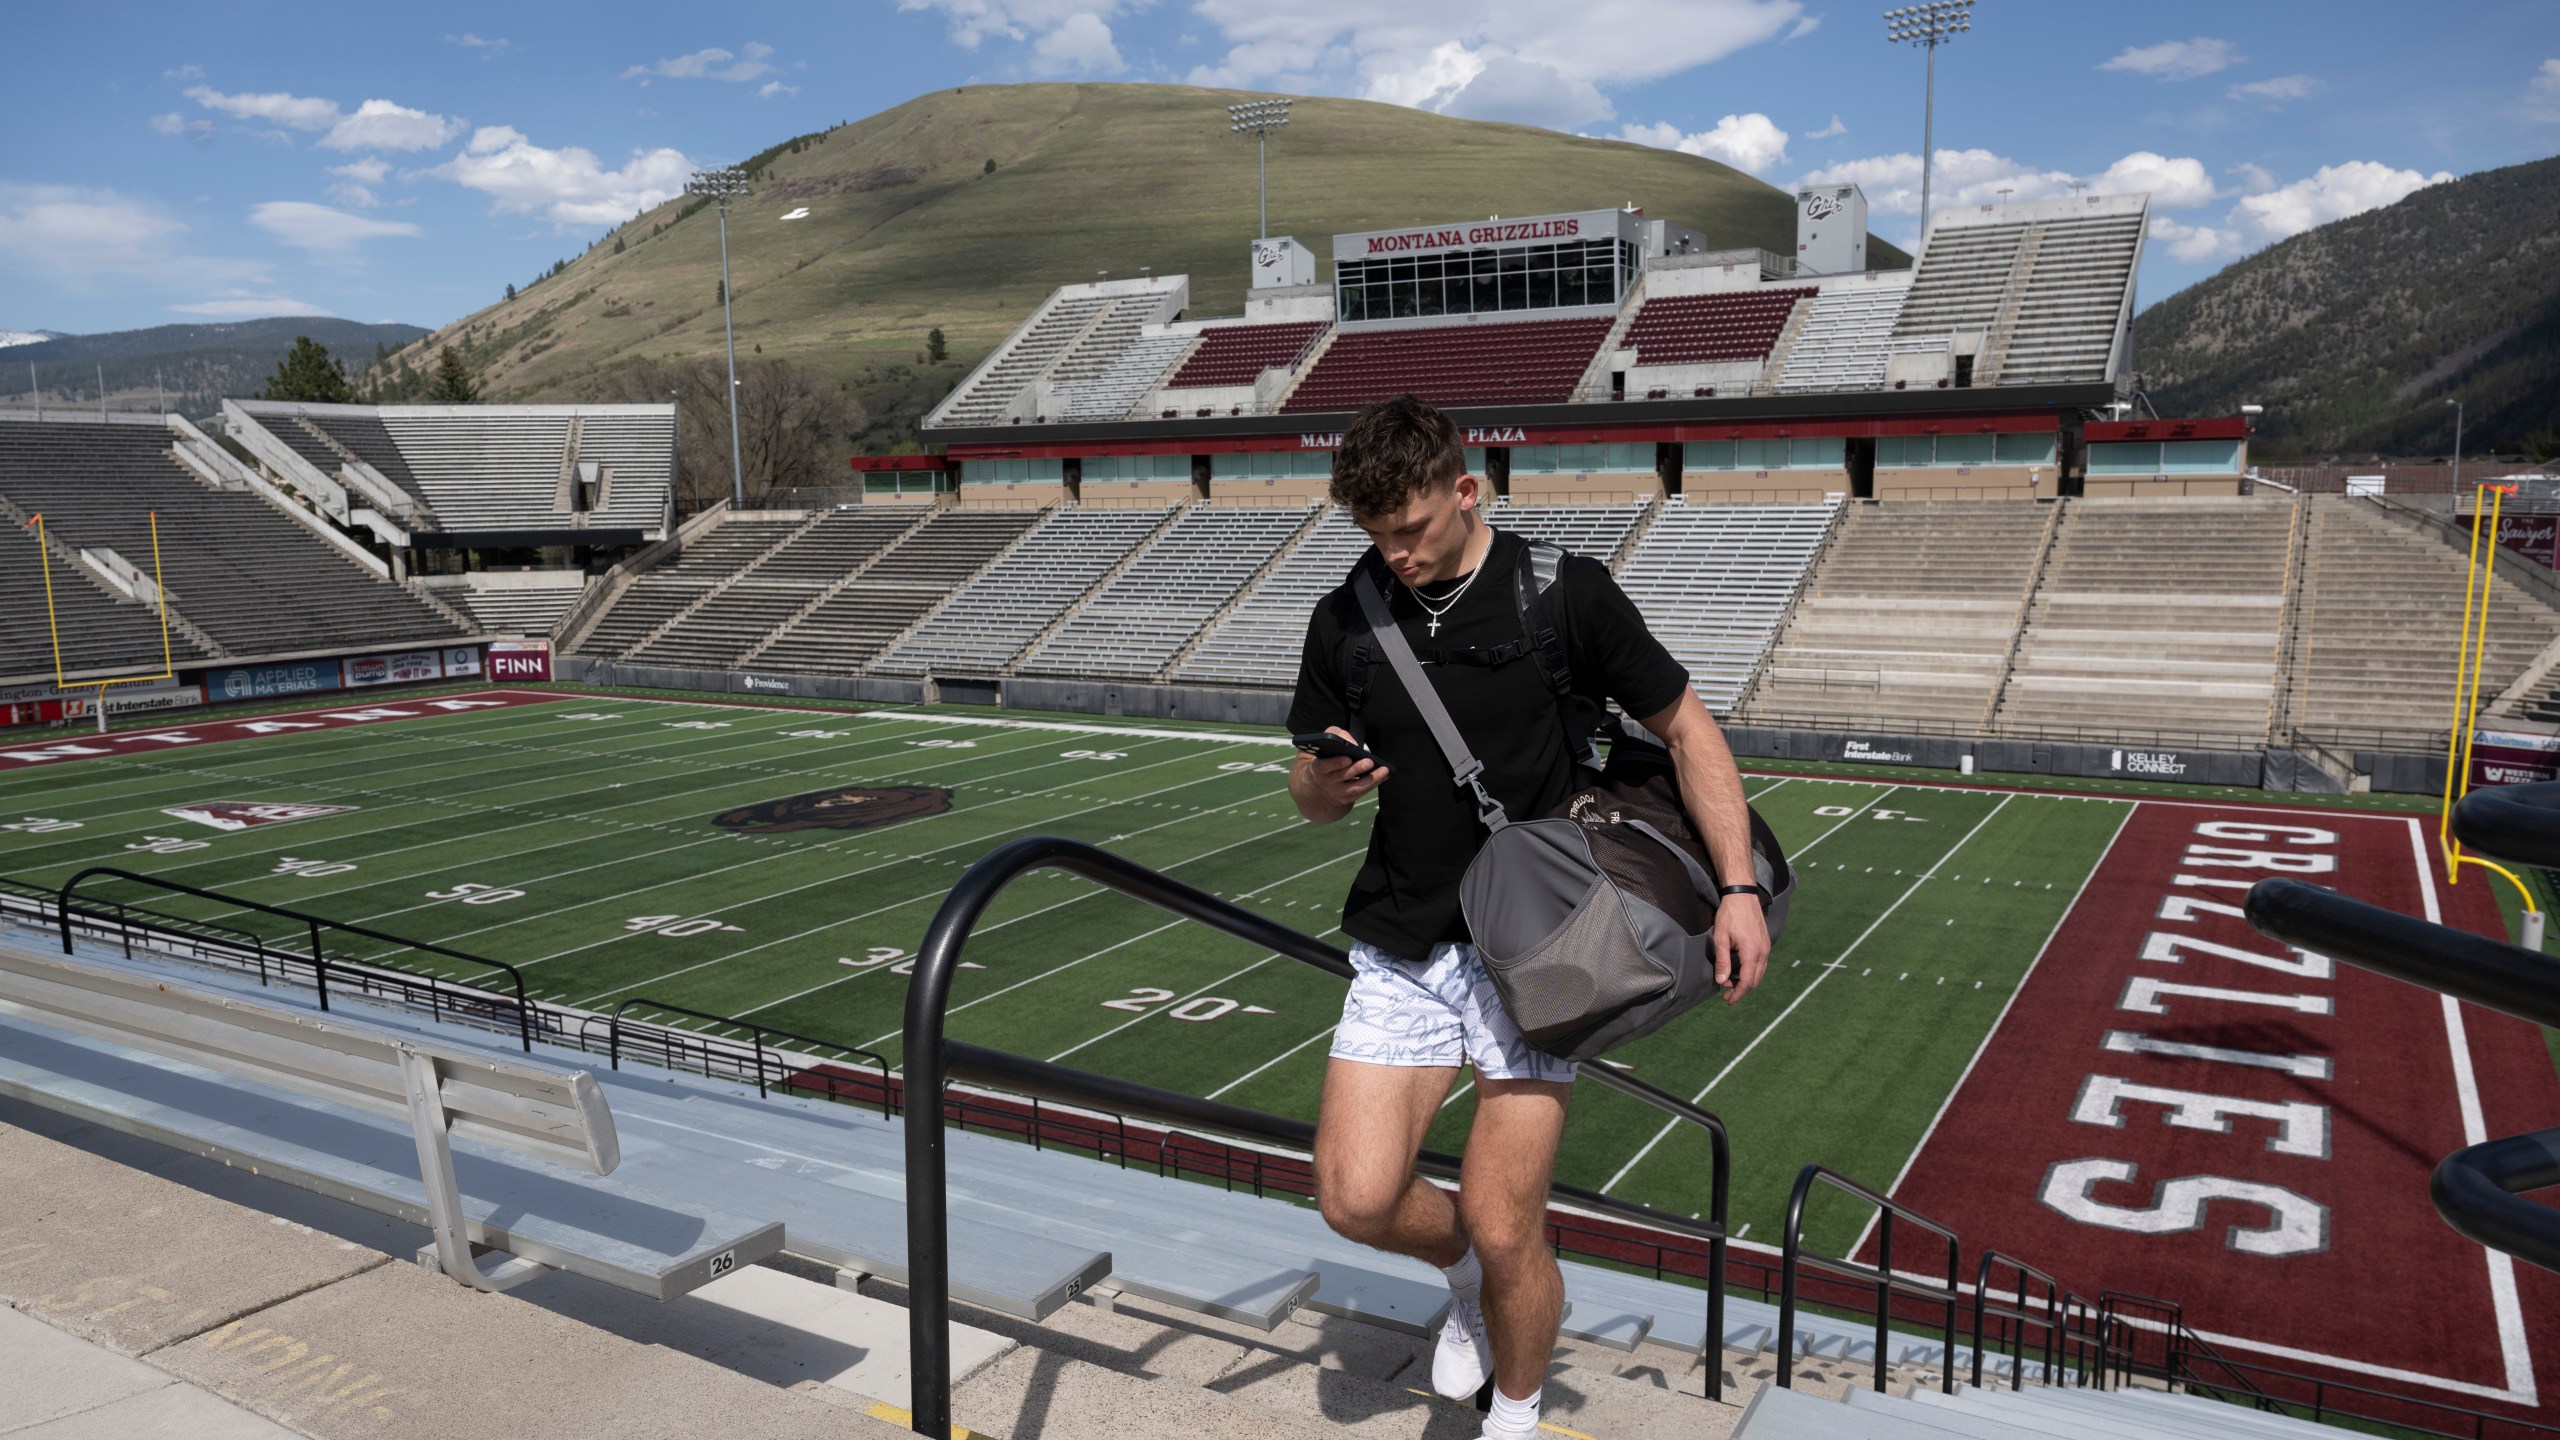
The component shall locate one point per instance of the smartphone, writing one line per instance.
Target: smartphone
(1325, 745)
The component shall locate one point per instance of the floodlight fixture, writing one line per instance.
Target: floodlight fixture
(1258, 118)
(1928, 26)
(720, 187)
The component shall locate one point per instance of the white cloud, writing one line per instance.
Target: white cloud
(774, 89)
(2177, 59)
(1078, 45)
(184, 72)
(382, 125)
(1828, 131)
(1749, 143)
(2178, 184)
(299, 112)
(568, 185)
(371, 170)
(2195, 243)
(1804, 27)
(2542, 93)
(2254, 179)
(1961, 177)
(490, 49)
(2332, 192)
(174, 123)
(323, 230)
(249, 305)
(2275, 89)
(98, 241)
(749, 63)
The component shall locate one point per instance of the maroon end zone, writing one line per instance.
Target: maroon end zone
(2177, 1106)
(71, 747)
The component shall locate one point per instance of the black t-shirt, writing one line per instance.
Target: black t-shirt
(1405, 899)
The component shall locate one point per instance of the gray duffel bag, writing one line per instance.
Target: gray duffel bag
(1595, 923)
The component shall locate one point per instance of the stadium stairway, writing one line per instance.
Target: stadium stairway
(290, 1304)
(1924, 1413)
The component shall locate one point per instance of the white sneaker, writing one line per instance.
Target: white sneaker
(1463, 1359)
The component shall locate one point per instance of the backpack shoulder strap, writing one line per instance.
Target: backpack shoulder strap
(1360, 659)
(1464, 767)
(1541, 601)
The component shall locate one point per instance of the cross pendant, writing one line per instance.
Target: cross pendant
(1434, 627)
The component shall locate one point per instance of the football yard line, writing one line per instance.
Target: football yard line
(1123, 944)
(917, 857)
(576, 783)
(897, 860)
(713, 838)
(1077, 899)
(1824, 974)
(585, 840)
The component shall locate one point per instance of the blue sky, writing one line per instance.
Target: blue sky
(169, 163)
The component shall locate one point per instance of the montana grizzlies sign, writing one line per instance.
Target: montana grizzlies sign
(852, 807)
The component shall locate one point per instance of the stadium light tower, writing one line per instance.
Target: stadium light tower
(1258, 118)
(1928, 26)
(722, 186)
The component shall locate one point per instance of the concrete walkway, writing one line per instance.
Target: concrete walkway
(62, 1387)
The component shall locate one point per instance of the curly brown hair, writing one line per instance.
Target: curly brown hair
(1393, 449)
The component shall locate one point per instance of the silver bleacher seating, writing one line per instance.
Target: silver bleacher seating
(1845, 340)
(776, 583)
(917, 572)
(1145, 614)
(483, 1146)
(1714, 581)
(256, 580)
(497, 468)
(1114, 392)
(1259, 642)
(1593, 530)
(983, 627)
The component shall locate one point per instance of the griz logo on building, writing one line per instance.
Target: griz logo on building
(856, 807)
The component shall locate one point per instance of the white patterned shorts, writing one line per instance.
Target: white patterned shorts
(1442, 1013)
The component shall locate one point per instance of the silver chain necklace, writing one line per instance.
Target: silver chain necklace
(1436, 611)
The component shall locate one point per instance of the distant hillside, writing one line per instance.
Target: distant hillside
(2354, 334)
(26, 337)
(908, 229)
(197, 364)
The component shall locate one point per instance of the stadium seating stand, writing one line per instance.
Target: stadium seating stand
(1504, 363)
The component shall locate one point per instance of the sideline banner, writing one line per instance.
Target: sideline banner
(2506, 757)
(261, 682)
(519, 660)
(405, 668)
(461, 660)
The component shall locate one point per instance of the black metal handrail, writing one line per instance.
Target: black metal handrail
(931, 1061)
(2512, 822)
(667, 1034)
(2018, 1317)
(1881, 1274)
(314, 924)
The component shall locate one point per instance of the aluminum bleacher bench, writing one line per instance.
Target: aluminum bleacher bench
(497, 1150)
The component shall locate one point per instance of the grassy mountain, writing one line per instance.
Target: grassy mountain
(909, 229)
(196, 364)
(2353, 335)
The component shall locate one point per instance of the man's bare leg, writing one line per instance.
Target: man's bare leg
(1502, 1209)
(1368, 1130)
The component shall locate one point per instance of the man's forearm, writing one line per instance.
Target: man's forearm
(1710, 787)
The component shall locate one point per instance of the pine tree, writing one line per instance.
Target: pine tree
(511, 289)
(991, 166)
(453, 384)
(309, 373)
(617, 244)
(933, 345)
(719, 292)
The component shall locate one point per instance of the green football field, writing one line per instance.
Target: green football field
(576, 839)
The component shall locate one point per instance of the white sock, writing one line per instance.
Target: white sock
(1467, 1276)
(1514, 1417)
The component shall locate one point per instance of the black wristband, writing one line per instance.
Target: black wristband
(1724, 890)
